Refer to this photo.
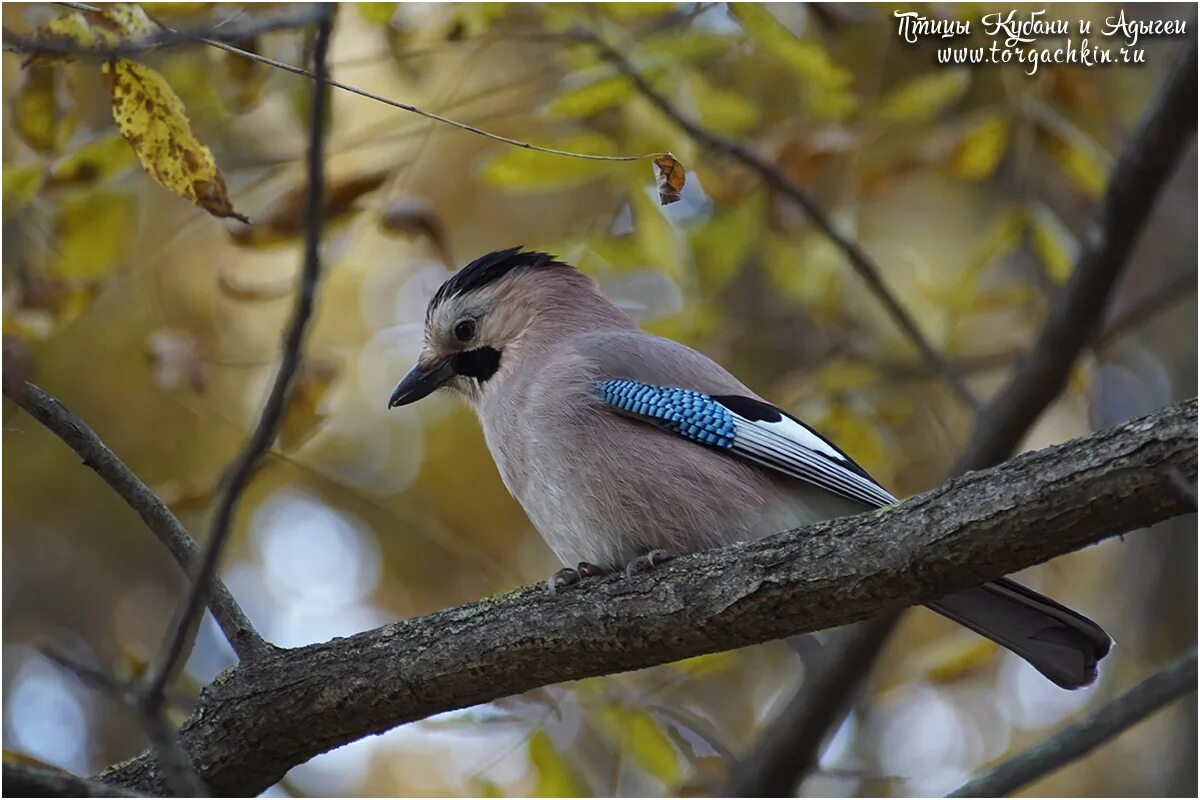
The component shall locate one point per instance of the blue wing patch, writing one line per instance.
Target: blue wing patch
(693, 415)
(750, 429)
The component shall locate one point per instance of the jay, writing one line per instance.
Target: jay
(624, 448)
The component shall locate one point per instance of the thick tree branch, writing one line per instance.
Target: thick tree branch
(158, 518)
(770, 174)
(26, 780)
(1085, 735)
(1145, 164)
(262, 718)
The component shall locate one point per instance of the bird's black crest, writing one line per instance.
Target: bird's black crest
(488, 268)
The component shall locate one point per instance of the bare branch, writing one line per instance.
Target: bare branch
(237, 628)
(1085, 735)
(27, 780)
(1146, 162)
(236, 29)
(862, 263)
(263, 437)
(262, 718)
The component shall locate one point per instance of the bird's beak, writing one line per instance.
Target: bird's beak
(421, 380)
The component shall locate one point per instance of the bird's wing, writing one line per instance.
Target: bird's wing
(747, 428)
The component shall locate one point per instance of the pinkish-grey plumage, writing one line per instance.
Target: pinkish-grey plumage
(527, 341)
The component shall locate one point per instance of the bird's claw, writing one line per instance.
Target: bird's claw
(570, 575)
(646, 561)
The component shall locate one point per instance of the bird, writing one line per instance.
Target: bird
(625, 448)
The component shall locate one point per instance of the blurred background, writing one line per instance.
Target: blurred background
(160, 326)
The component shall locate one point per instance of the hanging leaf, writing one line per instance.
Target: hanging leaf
(40, 117)
(925, 96)
(153, 120)
(979, 151)
(112, 25)
(178, 361)
(284, 220)
(1083, 161)
(415, 216)
(669, 177)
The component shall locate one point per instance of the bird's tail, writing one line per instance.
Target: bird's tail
(1062, 644)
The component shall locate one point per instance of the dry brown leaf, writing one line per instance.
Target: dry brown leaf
(669, 177)
(154, 121)
(308, 407)
(178, 360)
(415, 215)
(284, 220)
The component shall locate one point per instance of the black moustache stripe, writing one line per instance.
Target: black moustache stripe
(479, 364)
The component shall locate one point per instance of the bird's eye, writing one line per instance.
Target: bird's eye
(464, 331)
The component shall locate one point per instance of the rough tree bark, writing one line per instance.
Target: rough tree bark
(260, 719)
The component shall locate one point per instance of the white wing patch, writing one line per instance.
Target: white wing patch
(791, 448)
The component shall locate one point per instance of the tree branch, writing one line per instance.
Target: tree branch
(1145, 165)
(1085, 735)
(862, 263)
(262, 718)
(26, 780)
(237, 628)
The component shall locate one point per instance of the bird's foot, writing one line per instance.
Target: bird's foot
(570, 575)
(646, 561)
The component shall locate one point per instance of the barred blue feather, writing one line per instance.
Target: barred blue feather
(691, 414)
(749, 429)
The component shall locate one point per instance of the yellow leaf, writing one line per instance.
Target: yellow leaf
(722, 109)
(637, 733)
(21, 185)
(708, 664)
(91, 231)
(308, 406)
(376, 13)
(517, 169)
(838, 377)
(1053, 242)
(1083, 161)
(672, 48)
(979, 151)
(669, 177)
(591, 98)
(39, 117)
(827, 87)
(924, 96)
(114, 23)
(635, 10)
(477, 785)
(555, 777)
(92, 162)
(722, 243)
(153, 120)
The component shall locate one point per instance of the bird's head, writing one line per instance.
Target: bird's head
(494, 311)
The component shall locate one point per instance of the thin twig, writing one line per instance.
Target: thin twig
(1086, 734)
(1143, 168)
(281, 65)
(263, 437)
(76, 434)
(862, 263)
(296, 15)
